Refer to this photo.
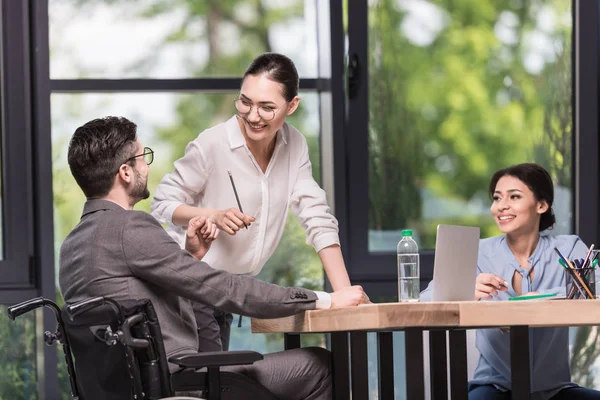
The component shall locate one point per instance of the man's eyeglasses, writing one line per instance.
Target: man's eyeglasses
(244, 107)
(148, 155)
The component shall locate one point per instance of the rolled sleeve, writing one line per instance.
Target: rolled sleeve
(325, 239)
(182, 185)
(309, 204)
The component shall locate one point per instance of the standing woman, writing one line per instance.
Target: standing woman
(269, 165)
(519, 262)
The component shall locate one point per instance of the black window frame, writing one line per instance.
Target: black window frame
(18, 279)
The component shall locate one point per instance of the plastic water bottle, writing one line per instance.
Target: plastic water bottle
(408, 268)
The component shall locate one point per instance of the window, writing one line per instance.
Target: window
(454, 93)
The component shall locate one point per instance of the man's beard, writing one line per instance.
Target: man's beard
(140, 188)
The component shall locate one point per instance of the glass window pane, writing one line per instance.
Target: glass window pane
(457, 91)
(18, 377)
(166, 123)
(177, 39)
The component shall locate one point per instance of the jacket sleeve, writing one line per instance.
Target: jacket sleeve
(182, 185)
(308, 202)
(152, 255)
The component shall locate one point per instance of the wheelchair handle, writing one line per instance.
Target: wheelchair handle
(25, 307)
(127, 338)
(83, 306)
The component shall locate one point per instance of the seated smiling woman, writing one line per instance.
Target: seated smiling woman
(519, 262)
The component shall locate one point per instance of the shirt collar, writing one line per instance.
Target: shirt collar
(535, 256)
(236, 138)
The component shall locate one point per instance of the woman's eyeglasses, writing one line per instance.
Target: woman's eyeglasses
(244, 108)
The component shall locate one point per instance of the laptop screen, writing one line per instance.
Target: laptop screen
(455, 263)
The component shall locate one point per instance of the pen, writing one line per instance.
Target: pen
(587, 256)
(591, 269)
(236, 196)
(576, 284)
(576, 275)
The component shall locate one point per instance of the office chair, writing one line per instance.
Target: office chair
(119, 354)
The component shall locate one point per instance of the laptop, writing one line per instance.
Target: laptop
(455, 263)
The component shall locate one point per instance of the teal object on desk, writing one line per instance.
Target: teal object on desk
(532, 296)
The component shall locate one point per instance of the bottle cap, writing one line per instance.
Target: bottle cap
(407, 232)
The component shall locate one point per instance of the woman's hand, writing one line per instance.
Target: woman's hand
(208, 230)
(231, 220)
(201, 232)
(349, 296)
(488, 285)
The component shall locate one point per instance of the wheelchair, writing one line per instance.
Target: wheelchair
(115, 350)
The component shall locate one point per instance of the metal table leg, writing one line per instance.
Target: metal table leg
(291, 341)
(458, 364)
(519, 362)
(438, 365)
(415, 381)
(359, 365)
(385, 357)
(340, 365)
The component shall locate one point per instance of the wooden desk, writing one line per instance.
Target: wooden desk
(440, 316)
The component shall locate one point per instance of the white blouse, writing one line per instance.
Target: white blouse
(200, 179)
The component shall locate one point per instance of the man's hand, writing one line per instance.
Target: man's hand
(201, 232)
(488, 285)
(231, 220)
(349, 296)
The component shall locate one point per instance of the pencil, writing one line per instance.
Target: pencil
(575, 285)
(585, 287)
(236, 196)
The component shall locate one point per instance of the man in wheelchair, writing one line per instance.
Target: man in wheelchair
(122, 254)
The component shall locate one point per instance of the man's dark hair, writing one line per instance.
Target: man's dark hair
(97, 150)
(538, 180)
(278, 68)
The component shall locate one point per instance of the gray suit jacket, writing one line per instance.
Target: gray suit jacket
(126, 254)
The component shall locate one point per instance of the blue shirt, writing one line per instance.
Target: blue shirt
(548, 347)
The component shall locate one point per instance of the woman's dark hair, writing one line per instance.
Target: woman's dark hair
(538, 180)
(97, 150)
(278, 68)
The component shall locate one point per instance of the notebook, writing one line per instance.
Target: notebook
(455, 263)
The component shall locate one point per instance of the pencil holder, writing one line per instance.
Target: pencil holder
(581, 283)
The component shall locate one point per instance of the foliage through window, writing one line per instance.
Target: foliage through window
(459, 89)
